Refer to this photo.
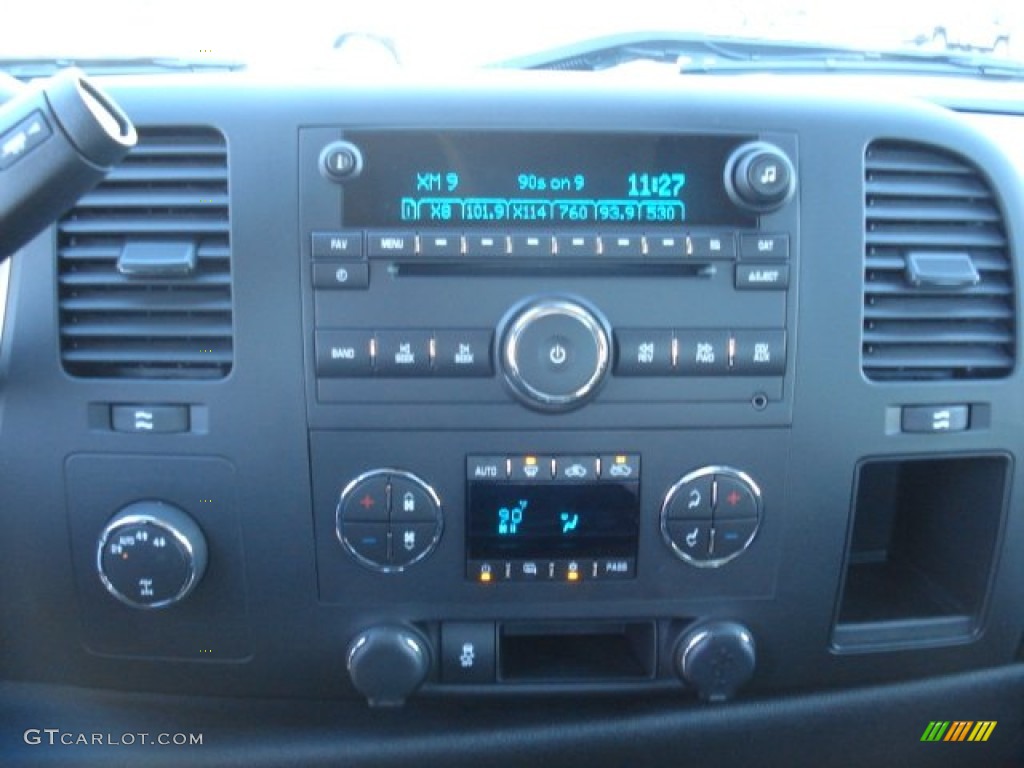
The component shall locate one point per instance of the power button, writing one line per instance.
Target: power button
(555, 353)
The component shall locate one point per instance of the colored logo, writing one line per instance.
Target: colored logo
(958, 730)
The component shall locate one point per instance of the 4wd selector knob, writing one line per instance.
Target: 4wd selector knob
(555, 353)
(151, 554)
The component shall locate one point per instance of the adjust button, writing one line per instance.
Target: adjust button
(643, 352)
(403, 353)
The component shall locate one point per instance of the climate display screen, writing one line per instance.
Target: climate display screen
(476, 179)
(510, 521)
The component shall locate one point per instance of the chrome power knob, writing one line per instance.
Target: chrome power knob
(555, 353)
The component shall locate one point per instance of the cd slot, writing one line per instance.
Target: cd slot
(584, 651)
(533, 267)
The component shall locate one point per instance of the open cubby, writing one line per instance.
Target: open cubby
(921, 550)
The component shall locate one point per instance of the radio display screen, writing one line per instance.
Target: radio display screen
(477, 179)
(550, 521)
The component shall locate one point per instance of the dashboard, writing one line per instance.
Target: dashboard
(528, 409)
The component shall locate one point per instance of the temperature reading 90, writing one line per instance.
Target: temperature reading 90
(660, 185)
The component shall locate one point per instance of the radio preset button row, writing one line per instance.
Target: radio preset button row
(712, 352)
(403, 353)
(568, 571)
(628, 245)
(574, 468)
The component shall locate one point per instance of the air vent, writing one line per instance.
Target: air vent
(938, 293)
(144, 266)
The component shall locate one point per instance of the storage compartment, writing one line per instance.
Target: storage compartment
(921, 551)
(576, 652)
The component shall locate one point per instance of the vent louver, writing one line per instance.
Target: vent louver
(169, 315)
(939, 287)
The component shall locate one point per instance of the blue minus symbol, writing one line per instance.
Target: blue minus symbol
(731, 536)
(369, 540)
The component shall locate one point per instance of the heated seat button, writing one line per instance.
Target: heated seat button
(411, 503)
(412, 541)
(467, 653)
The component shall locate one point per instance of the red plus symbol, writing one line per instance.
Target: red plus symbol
(733, 499)
(367, 501)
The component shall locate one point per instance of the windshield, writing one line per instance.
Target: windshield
(425, 34)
